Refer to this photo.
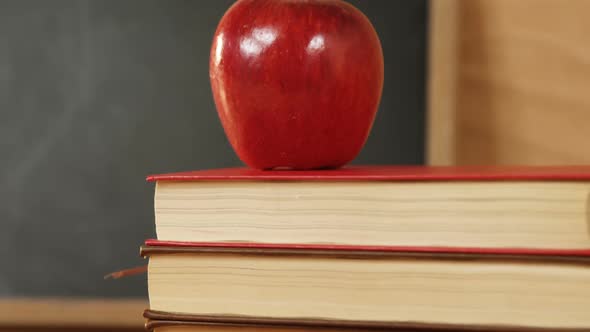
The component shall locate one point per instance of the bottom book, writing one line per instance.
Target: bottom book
(207, 326)
(370, 289)
(219, 328)
(213, 328)
(177, 326)
(167, 321)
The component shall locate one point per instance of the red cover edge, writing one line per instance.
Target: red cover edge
(389, 173)
(407, 249)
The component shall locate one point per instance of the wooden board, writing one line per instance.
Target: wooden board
(519, 86)
(442, 82)
(63, 313)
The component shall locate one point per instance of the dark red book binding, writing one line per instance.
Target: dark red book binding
(573, 255)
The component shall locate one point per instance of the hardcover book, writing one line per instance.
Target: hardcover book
(483, 208)
(364, 288)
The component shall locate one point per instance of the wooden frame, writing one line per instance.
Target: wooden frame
(508, 82)
(63, 313)
(442, 81)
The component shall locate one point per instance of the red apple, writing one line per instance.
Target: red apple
(296, 83)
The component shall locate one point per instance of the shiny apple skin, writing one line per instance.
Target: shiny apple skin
(296, 83)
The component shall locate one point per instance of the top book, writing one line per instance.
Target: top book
(539, 207)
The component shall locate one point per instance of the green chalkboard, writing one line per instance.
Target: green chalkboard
(96, 94)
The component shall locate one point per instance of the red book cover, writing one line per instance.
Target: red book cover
(391, 173)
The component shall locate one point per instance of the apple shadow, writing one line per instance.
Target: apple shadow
(287, 168)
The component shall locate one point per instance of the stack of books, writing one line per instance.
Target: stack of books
(366, 248)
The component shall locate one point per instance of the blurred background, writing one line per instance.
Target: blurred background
(97, 94)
